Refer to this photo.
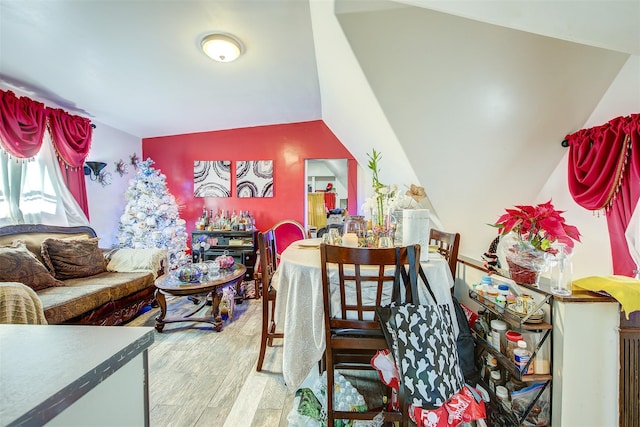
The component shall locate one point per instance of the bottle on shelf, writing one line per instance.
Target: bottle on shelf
(502, 393)
(496, 380)
(491, 365)
(498, 337)
(521, 357)
(512, 342)
(205, 217)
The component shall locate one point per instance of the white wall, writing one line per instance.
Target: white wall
(349, 107)
(593, 255)
(106, 203)
(472, 170)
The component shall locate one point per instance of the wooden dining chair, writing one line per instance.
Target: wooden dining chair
(286, 232)
(448, 245)
(352, 330)
(267, 256)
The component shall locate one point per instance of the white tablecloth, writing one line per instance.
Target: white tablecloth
(300, 307)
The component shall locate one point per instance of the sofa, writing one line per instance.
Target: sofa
(76, 281)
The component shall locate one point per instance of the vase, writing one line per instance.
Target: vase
(354, 232)
(525, 266)
(561, 272)
(384, 226)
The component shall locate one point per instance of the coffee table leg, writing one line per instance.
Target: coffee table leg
(216, 297)
(162, 302)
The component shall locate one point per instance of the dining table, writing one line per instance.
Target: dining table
(300, 306)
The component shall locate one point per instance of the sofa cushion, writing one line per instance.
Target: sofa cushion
(34, 240)
(18, 264)
(119, 284)
(73, 258)
(81, 295)
(130, 260)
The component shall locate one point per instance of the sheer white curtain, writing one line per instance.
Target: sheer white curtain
(34, 192)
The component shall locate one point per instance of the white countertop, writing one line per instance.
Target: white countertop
(45, 368)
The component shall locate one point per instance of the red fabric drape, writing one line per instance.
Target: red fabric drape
(22, 125)
(330, 200)
(71, 136)
(604, 173)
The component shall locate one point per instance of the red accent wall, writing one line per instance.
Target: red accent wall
(288, 145)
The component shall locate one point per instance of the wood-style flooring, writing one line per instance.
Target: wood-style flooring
(202, 378)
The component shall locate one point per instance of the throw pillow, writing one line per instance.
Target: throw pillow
(18, 264)
(69, 259)
(130, 260)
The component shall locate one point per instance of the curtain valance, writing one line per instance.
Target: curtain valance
(22, 125)
(71, 136)
(604, 173)
(23, 122)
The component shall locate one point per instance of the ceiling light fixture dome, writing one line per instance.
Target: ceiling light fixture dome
(221, 47)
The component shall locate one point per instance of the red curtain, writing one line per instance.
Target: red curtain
(71, 136)
(604, 173)
(330, 200)
(22, 125)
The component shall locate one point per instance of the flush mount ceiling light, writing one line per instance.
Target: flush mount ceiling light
(221, 47)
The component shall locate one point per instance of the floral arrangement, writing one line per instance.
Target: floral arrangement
(538, 227)
(382, 192)
(387, 199)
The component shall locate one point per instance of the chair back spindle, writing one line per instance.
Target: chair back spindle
(448, 244)
(359, 280)
(268, 264)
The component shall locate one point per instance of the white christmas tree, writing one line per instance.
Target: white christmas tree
(151, 218)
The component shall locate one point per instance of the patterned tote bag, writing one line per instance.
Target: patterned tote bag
(423, 343)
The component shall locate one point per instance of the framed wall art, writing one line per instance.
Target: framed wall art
(212, 178)
(254, 178)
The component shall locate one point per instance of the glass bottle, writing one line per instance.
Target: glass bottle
(562, 271)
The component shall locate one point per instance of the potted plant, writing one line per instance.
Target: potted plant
(534, 231)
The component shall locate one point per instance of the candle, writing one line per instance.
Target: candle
(350, 239)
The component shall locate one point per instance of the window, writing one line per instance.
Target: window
(33, 191)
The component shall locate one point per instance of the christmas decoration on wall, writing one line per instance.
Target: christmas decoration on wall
(104, 178)
(134, 160)
(121, 167)
(151, 218)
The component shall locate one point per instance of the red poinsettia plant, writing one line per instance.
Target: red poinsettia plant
(540, 226)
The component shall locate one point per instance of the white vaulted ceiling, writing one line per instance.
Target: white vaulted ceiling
(136, 66)
(470, 99)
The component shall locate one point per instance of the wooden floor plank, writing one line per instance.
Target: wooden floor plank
(245, 406)
(202, 378)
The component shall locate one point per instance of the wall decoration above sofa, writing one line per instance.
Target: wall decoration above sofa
(254, 178)
(212, 178)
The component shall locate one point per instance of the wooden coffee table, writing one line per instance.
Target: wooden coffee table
(209, 287)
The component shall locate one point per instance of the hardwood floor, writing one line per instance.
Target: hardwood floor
(202, 378)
